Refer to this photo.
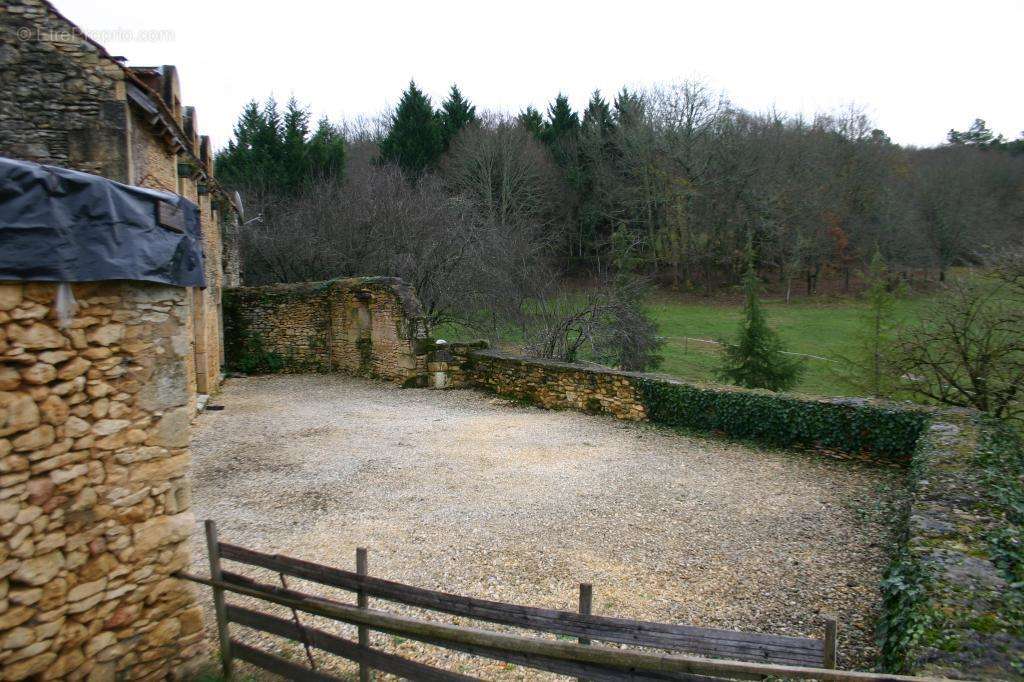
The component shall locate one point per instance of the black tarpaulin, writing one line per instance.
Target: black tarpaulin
(60, 225)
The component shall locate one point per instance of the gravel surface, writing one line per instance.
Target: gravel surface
(460, 491)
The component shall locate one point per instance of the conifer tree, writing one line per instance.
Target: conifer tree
(414, 139)
(595, 175)
(294, 158)
(532, 120)
(563, 123)
(757, 359)
(629, 108)
(455, 114)
(597, 117)
(326, 151)
(271, 154)
(869, 370)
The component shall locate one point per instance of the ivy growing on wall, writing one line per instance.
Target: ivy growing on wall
(244, 351)
(783, 420)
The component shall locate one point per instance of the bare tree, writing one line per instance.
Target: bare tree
(968, 350)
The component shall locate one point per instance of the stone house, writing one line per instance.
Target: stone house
(65, 101)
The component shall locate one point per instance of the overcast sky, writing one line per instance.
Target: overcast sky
(919, 68)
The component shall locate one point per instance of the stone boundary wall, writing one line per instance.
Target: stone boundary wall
(954, 596)
(548, 383)
(365, 326)
(94, 495)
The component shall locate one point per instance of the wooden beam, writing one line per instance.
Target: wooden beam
(280, 666)
(389, 663)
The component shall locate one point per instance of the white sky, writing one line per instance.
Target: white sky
(918, 67)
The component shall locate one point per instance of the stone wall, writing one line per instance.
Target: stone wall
(94, 496)
(61, 97)
(548, 383)
(954, 597)
(369, 326)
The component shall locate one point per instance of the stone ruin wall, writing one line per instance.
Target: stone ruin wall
(548, 383)
(370, 327)
(94, 496)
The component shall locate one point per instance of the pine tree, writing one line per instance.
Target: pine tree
(595, 156)
(294, 154)
(271, 154)
(630, 108)
(563, 124)
(455, 114)
(326, 151)
(597, 117)
(869, 371)
(532, 120)
(757, 359)
(414, 140)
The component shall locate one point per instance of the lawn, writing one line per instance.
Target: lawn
(825, 330)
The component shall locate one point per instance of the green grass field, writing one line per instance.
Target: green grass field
(827, 329)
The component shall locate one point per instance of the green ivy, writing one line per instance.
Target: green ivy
(907, 620)
(783, 420)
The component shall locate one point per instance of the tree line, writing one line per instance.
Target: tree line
(490, 215)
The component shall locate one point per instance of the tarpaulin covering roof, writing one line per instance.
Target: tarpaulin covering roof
(60, 225)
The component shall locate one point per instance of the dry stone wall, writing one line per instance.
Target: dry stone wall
(94, 499)
(369, 326)
(548, 383)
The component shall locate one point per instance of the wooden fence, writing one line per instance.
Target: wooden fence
(738, 655)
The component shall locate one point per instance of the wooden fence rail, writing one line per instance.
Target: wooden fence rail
(581, 658)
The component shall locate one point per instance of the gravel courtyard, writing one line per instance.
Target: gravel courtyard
(460, 491)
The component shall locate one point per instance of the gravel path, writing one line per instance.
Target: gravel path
(459, 491)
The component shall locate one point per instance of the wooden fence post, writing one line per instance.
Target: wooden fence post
(362, 602)
(213, 549)
(586, 604)
(831, 632)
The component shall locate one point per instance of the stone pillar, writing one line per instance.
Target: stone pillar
(94, 494)
(438, 362)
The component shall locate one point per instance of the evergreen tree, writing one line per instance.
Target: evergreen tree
(250, 160)
(563, 124)
(869, 371)
(532, 120)
(326, 150)
(271, 154)
(595, 176)
(456, 113)
(630, 108)
(757, 359)
(414, 140)
(597, 117)
(294, 158)
(978, 135)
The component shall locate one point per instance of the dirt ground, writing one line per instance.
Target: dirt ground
(460, 491)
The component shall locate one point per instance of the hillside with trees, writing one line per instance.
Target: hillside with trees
(550, 227)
